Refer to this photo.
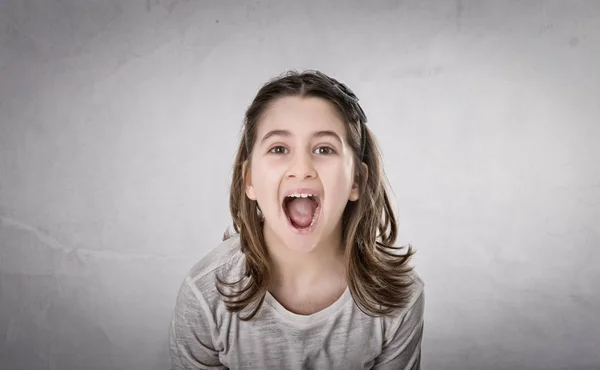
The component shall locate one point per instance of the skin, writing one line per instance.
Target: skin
(292, 151)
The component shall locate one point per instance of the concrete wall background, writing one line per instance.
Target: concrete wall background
(119, 119)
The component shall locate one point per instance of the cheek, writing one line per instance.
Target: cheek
(346, 171)
(266, 177)
(337, 179)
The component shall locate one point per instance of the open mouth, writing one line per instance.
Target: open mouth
(302, 210)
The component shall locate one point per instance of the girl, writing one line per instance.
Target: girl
(311, 279)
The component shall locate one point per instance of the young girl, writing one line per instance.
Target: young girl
(311, 279)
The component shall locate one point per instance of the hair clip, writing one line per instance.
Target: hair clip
(346, 91)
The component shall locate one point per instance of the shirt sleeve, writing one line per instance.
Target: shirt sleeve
(191, 332)
(402, 347)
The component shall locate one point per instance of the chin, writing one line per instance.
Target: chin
(296, 242)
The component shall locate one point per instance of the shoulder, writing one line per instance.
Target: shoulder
(226, 260)
(411, 315)
(227, 254)
(199, 311)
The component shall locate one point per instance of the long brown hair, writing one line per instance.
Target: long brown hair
(377, 274)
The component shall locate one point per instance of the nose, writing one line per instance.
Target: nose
(301, 166)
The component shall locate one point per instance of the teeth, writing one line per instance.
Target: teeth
(313, 220)
(300, 195)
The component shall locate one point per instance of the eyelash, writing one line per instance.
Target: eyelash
(331, 150)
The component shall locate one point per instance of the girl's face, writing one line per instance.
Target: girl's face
(302, 171)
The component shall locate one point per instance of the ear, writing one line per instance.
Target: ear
(249, 189)
(355, 191)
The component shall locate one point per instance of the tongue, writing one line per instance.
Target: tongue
(301, 211)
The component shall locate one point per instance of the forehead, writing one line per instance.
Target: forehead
(301, 116)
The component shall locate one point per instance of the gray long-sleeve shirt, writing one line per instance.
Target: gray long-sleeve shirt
(204, 335)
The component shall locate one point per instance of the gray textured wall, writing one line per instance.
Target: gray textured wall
(118, 122)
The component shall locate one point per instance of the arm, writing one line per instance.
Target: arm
(191, 332)
(402, 346)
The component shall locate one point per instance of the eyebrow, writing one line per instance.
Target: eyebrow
(286, 133)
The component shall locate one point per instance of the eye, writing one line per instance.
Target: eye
(278, 150)
(324, 150)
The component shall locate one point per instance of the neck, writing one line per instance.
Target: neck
(301, 269)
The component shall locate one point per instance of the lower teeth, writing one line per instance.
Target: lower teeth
(313, 219)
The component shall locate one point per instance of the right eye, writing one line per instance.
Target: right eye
(278, 150)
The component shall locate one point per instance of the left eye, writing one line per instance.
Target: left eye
(324, 150)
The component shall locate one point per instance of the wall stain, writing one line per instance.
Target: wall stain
(460, 11)
(574, 41)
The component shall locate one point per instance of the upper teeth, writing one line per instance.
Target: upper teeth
(300, 195)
